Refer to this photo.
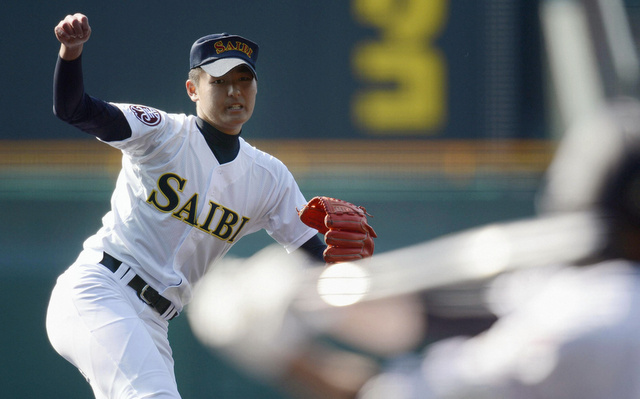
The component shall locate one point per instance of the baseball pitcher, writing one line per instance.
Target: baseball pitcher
(190, 187)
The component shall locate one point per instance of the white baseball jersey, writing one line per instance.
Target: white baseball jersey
(176, 209)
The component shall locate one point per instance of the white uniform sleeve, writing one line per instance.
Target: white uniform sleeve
(151, 129)
(283, 223)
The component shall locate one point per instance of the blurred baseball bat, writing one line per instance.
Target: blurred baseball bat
(468, 256)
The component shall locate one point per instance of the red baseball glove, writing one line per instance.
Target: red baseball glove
(346, 232)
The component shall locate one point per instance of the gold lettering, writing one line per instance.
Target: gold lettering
(219, 46)
(188, 212)
(190, 208)
(170, 195)
(225, 225)
(212, 210)
(244, 221)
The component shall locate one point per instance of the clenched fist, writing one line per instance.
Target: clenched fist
(72, 32)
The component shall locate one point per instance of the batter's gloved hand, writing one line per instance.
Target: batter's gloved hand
(346, 232)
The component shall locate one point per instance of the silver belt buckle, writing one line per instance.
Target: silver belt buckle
(142, 292)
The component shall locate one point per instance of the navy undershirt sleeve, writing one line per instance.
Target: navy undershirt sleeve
(91, 115)
(315, 248)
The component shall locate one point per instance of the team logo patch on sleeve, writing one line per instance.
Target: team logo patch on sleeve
(146, 115)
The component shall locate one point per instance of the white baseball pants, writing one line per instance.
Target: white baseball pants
(119, 343)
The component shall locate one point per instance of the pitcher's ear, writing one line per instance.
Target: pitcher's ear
(192, 91)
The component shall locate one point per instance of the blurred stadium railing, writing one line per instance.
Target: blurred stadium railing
(375, 170)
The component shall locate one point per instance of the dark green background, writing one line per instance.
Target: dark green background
(139, 53)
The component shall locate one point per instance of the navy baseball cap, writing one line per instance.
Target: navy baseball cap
(219, 53)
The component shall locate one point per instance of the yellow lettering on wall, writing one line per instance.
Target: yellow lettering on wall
(406, 74)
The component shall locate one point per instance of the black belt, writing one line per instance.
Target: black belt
(145, 292)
